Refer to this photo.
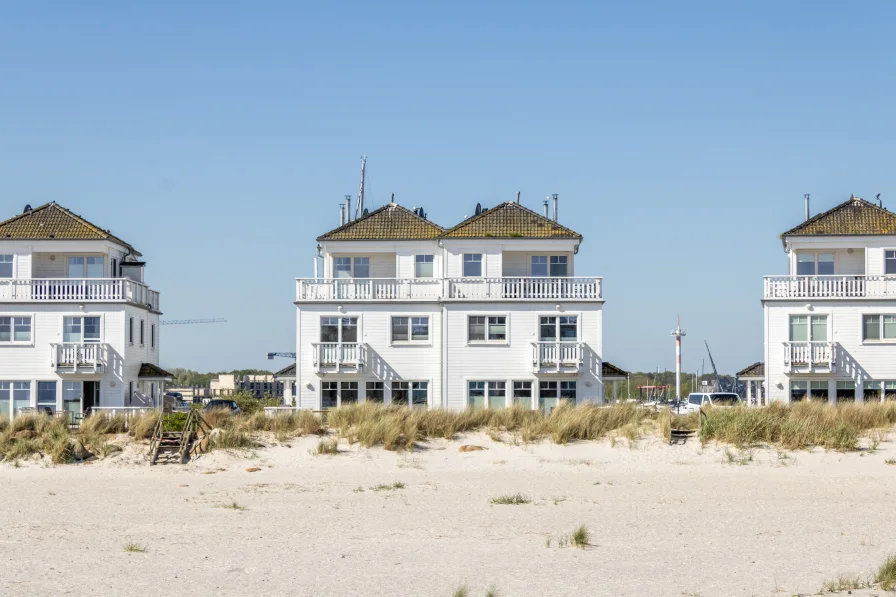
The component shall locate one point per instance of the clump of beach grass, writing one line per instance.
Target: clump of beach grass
(134, 548)
(514, 499)
(230, 438)
(580, 537)
(232, 506)
(886, 574)
(844, 583)
(461, 591)
(388, 486)
(327, 445)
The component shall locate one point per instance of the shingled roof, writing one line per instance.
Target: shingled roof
(754, 370)
(390, 222)
(288, 371)
(54, 222)
(853, 217)
(510, 220)
(150, 370)
(608, 370)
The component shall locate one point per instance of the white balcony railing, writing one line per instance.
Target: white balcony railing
(857, 286)
(72, 355)
(557, 356)
(87, 290)
(339, 355)
(471, 289)
(809, 356)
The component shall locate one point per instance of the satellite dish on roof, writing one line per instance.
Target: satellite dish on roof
(478, 208)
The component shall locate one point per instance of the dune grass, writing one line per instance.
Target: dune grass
(886, 574)
(327, 445)
(134, 548)
(515, 499)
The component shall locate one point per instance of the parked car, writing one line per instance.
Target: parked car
(698, 400)
(222, 405)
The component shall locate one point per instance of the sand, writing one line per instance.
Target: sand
(664, 520)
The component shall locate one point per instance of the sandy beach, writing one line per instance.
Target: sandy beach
(664, 520)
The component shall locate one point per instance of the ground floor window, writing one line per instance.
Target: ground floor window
(548, 396)
(375, 392)
(818, 391)
(348, 392)
(568, 391)
(482, 394)
(876, 391)
(522, 394)
(413, 393)
(71, 397)
(812, 390)
(14, 396)
(338, 393)
(46, 397)
(798, 390)
(846, 391)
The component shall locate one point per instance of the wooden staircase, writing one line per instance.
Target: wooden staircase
(171, 442)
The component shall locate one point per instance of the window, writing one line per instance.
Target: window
(15, 330)
(825, 264)
(522, 394)
(348, 392)
(131, 330)
(5, 266)
(472, 265)
(114, 268)
(798, 390)
(876, 391)
(846, 391)
(71, 397)
(329, 394)
(548, 396)
(552, 327)
(491, 328)
(85, 267)
(558, 266)
(808, 328)
(14, 396)
(539, 266)
(338, 329)
(416, 391)
(152, 335)
(889, 262)
(423, 266)
(142, 327)
(553, 265)
(81, 329)
(375, 391)
(46, 397)
(486, 394)
(878, 327)
(410, 329)
(568, 391)
(349, 267)
(805, 264)
(814, 390)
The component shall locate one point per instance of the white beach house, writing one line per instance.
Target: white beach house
(79, 328)
(488, 313)
(830, 323)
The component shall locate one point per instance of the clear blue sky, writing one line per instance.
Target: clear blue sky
(218, 137)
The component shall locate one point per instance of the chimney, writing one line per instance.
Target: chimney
(348, 209)
(341, 214)
(517, 197)
(556, 198)
(806, 197)
(545, 208)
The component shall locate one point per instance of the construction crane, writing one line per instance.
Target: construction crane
(289, 355)
(715, 371)
(190, 321)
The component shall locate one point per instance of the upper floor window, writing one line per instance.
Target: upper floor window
(142, 329)
(487, 329)
(152, 335)
(5, 266)
(81, 329)
(410, 329)
(812, 264)
(564, 328)
(130, 330)
(889, 262)
(352, 267)
(472, 265)
(879, 327)
(15, 329)
(85, 267)
(808, 328)
(423, 266)
(338, 329)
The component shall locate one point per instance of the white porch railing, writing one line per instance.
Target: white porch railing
(128, 412)
(857, 286)
(74, 355)
(557, 356)
(810, 355)
(503, 288)
(336, 355)
(88, 290)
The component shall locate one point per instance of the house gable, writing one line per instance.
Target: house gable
(390, 222)
(855, 217)
(510, 220)
(54, 222)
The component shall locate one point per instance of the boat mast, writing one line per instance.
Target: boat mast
(360, 207)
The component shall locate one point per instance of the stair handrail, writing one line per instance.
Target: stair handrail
(186, 436)
(156, 437)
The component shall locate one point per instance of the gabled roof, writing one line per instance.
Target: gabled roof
(608, 370)
(54, 222)
(390, 222)
(510, 220)
(289, 371)
(754, 370)
(853, 217)
(150, 370)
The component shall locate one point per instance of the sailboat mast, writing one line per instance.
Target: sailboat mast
(360, 207)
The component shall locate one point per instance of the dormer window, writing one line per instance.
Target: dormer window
(352, 267)
(889, 262)
(812, 264)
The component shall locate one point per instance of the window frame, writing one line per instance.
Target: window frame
(339, 328)
(513, 389)
(381, 389)
(12, 265)
(410, 389)
(152, 336)
(431, 263)
(142, 332)
(480, 261)
(84, 266)
(81, 317)
(885, 259)
(809, 317)
(410, 329)
(499, 386)
(557, 325)
(880, 328)
(815, 262)
(12, 329)
(352, 266)
(10, 391)
(131, 331)
(486, 341)
(55, 404)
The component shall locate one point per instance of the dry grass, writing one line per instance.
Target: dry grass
(510, 500)
(327, 445)
(843, 583)
(231, 506)
(35, 434)
(388, 486)
(134, 548)
(886, 574)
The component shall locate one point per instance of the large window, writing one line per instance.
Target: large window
(85, 267)
(71, 397)
(818, 390)
(491, 394)
(491, 328)
(5, 266)
(552, 327)
(82, 329)
(813, 390)
(348, 392)
(846, 391)
(410, 329)
(878, 327)
(548, 396)
(522, 394)
(808, 328)
(46, 397)
(554, 266)
(415, 393)
(798, 390)
(374, 392)
(472, 265)
(889, 262)
(880, 390)
(15, 330)
(811, 264)
(14, 396)
(423, 266)
(352, 267)
(338, 329)
(329, 394)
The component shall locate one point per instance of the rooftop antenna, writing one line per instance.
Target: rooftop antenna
(678, 333)
(360, 208)
(879, 202)
(806, 197)
(518, 196)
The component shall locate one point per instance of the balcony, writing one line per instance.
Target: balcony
(810, 357)
(557, 357)
(449, 289)
(78, 357)
(78, 290)
(830, 287)
(339, 357)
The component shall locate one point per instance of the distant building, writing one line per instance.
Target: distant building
(259, 385)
